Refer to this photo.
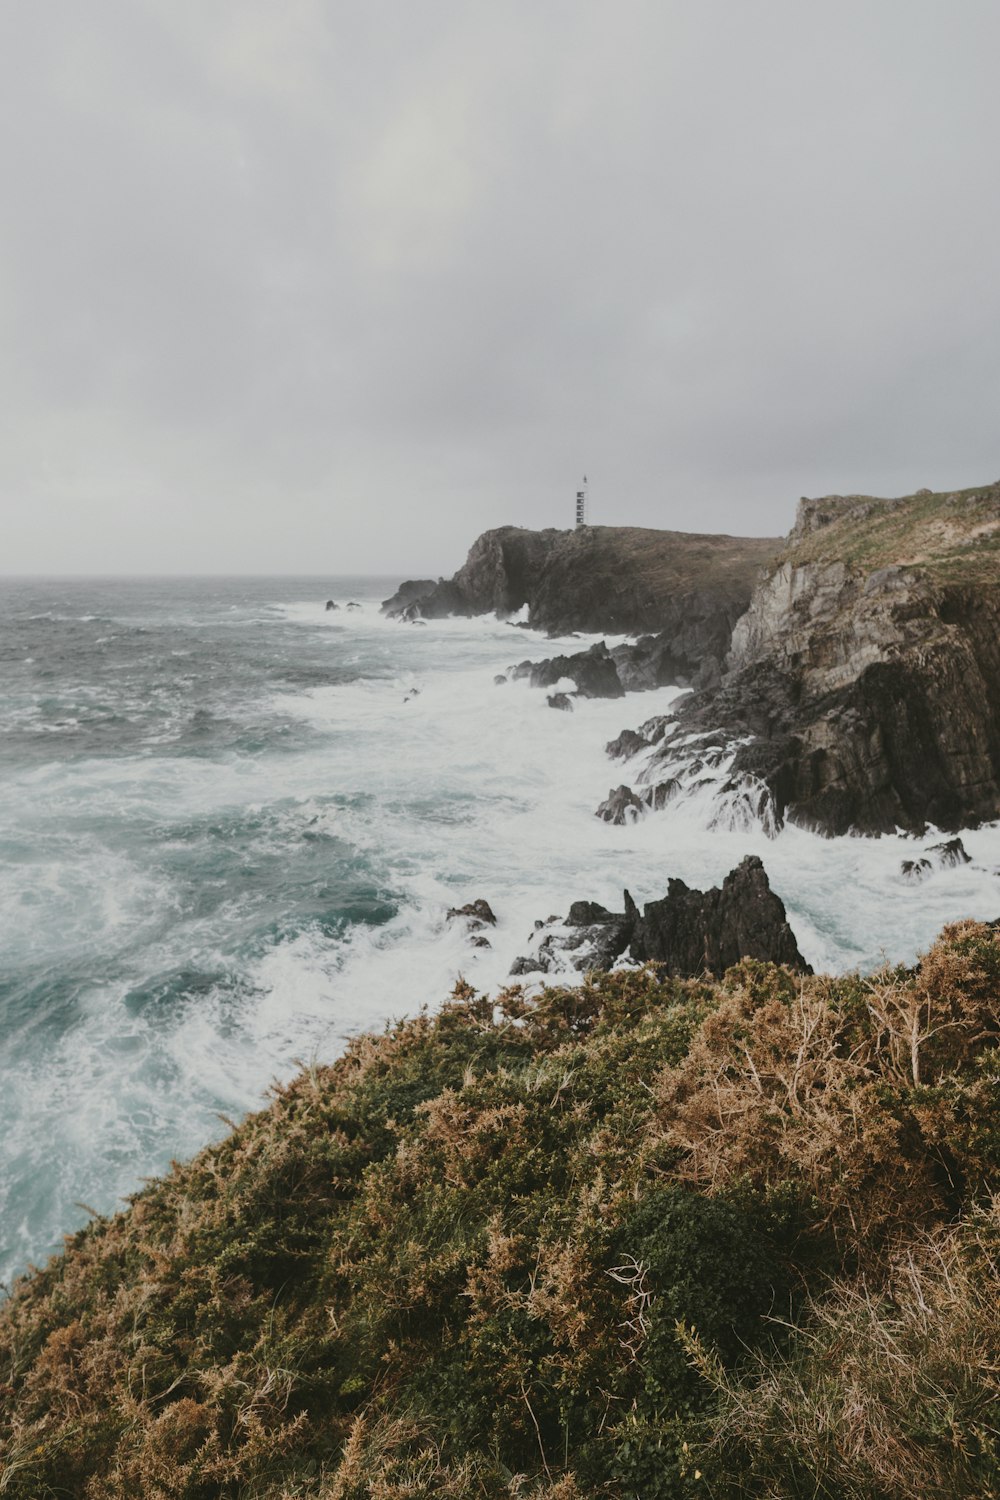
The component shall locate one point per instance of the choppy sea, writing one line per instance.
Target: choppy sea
(231, 825)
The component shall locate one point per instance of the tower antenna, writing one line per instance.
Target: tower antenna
(581, 504)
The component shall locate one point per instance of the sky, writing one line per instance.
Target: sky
(318, 286)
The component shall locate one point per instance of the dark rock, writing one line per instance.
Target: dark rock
(586, 913)
(689, 588)
(593, 671)
(408, 594)
(915, 869)
(501, 679)
(620, 806)
(627, 744)
(560, 700)
(695, 932)
(353, 604)
(331, 605)
(951, 853)
(478, 941)
(656, 797)
(690, 932)
(479, 912)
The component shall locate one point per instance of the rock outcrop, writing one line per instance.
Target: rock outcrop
(690, 932)
(862, 686)
(684, 591)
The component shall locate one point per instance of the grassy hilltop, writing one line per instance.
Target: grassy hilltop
(951, 536)
(648, 1237)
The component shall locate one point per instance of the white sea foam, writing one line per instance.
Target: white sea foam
(439, 787)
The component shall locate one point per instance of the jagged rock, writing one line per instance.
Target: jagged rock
(690, 932)
(862, 685)
(914, 870)
(951, 853)
(620, 806)
(331, 605)
(593, 671)
(560, 700)
(656, 797)
(627, 744)
(478, 913)
(694, 932)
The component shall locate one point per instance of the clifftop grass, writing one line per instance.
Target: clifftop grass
(952, 536)
(646, 1237)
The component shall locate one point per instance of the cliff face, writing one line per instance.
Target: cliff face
(616, 578)
(866, 671)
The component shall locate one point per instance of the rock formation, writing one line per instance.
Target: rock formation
(690, 932)
(862, 686)
(687, 589)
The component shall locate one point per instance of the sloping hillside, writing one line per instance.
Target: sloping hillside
(648, 1237)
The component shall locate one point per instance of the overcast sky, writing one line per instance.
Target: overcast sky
(308, 285)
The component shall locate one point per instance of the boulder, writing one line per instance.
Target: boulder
(621, 806)
(331, 605)
(477, 913)
(560, 700)
(593, 671)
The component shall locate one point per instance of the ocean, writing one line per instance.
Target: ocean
(232, 824)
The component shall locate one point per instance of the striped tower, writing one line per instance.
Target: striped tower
(581, 504)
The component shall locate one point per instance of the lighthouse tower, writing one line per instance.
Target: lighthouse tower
(581, 504)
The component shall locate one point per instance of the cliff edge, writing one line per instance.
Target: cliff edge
(862, 685)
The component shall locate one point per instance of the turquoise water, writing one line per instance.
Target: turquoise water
(231, 825)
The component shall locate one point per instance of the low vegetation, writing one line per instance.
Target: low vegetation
(952, 536)
(647, 1237)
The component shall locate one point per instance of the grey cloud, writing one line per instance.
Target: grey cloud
(321, 284)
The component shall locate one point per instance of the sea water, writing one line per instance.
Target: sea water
(231, 826)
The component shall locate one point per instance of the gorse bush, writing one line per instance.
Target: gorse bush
(645, 1237)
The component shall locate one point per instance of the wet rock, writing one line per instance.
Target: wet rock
(501, 679)
(694, 932)
(914, 870)
(656, 797)
(620, 806)
(331, 605)
(951, 853)
(691, 932)
(593, 671)
(353, 604)
(478, 913)
(627, 744)
(560, 700)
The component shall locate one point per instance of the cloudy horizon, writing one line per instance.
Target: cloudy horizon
(324, 287)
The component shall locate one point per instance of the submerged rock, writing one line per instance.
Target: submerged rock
(560, 700)
(331, 605)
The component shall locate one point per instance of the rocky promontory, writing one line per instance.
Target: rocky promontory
(683, 591)
(862, 685)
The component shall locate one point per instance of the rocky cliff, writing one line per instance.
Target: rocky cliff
(688, 590)
(862, 685)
